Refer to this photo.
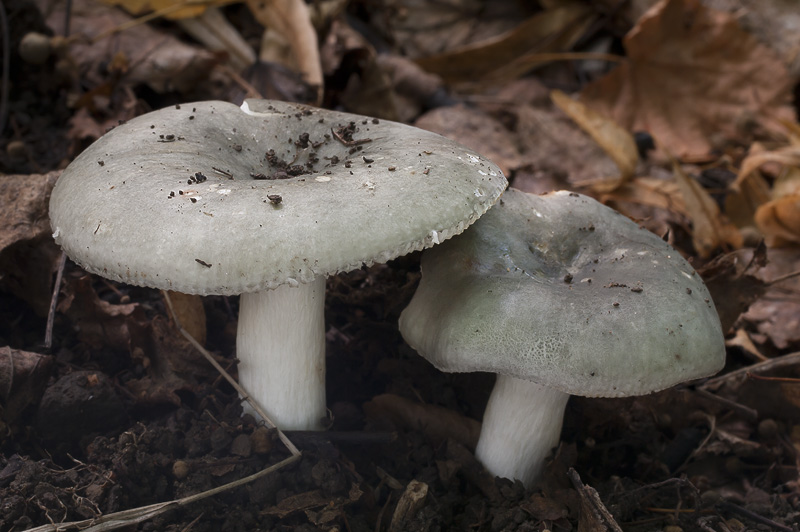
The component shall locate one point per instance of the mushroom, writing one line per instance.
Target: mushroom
(265, 200)
(558, 295)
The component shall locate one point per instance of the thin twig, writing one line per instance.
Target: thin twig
(137, 515)
(348, 143)
(745, 411)
(735, 508)
(51, 315)
(782, 278)
(242, 392)
(742, 374)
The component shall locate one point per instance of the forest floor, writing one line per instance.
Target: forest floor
(681, 117)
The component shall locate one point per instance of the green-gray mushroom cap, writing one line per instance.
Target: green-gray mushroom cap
(567, 293)
(211, 198)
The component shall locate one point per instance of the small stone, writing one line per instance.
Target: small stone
(180, 469)
(242, 446)
(261, 441)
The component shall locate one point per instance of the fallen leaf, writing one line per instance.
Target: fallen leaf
(83, 126)
(171, 365)
(213, 29)
(786, 156)
(711, 229)
(552, 30)
(28, 254)
(172, 9)
(547, 141)
(744, 197)
(421, 28)
(191, 314)
(773, 22)
(292, 20)
(693, 75)
(100, 324)
(475, 129)
(742, 340)
(651, 192)
(156, 58)
(23, 377)
(734, 283)
(776, 314)
(311, 499)
(544, 509)
(779, 221)
(437, 422)
(615, 141)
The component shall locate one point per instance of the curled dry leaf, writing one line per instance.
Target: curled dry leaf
(711, 229)
(694, 79)
(615, 141)
(779, 219)
(786, 156)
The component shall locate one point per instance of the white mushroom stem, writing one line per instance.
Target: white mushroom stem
(280, 345)
(522, 423)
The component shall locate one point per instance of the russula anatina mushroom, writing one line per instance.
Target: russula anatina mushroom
(558, 295)
(265, 200)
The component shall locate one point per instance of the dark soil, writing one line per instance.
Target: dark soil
(87, 446)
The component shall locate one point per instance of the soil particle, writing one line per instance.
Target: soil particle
(77, 405)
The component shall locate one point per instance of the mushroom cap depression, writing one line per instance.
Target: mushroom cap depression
(566, 292)
(211, 198)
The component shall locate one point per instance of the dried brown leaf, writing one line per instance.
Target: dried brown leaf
(549, 31)
(420, 27)
(692, 76)
(155, 58)
(475, 129)
(191, 314)
(173, 9)
(744, 197)
(292, 19)
(28, 254)
(543, 135)
(615, 141)
(101, 324)
(23, 377)
(711, 229)
(650, 192)
(743, 341)
(786, 156)
(779, 221)
(734, 283)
